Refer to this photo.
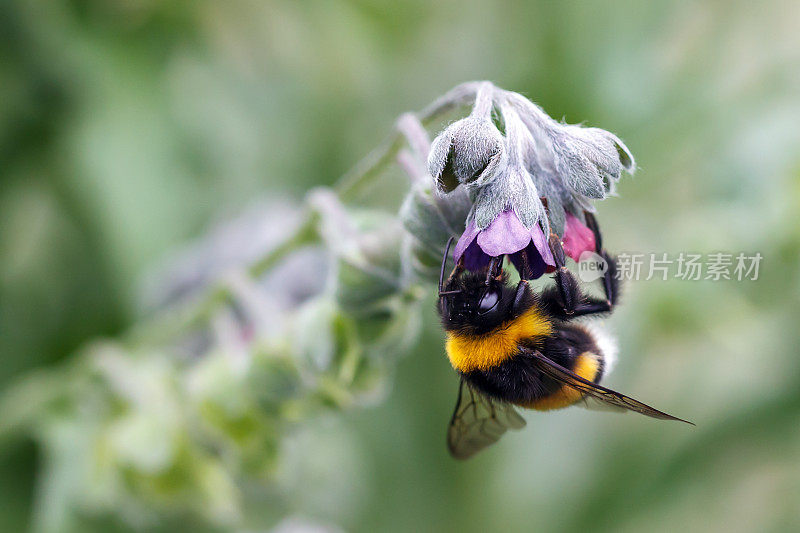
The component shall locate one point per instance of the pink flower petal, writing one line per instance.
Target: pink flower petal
(577, 238)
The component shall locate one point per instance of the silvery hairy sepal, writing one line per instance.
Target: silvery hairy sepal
(579, 163)
(513, 186)
(469, 151)
(590, 159)
(516, 191)
(430, 219)
(540, 164)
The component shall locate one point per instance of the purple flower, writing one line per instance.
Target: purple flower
(506, 235)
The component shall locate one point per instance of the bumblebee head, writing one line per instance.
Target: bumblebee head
(478, 302)
(468, 304)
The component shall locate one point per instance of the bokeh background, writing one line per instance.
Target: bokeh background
(129, 127)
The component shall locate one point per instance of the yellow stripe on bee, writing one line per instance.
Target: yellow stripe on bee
(482, 352)
(586, 367)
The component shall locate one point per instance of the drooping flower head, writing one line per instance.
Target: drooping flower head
(535, 181)
(508, 217)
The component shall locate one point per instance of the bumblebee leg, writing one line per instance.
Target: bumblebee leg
(591, 307)
(458, 269)
(525, 267)
(567, 285)
(552, 299)
(519, 296)
(610, 281)
(569, 301)
(494, 270)
(591, 223)
(498, 272)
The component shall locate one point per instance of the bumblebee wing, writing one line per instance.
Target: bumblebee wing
(478, 421)
(593, 392)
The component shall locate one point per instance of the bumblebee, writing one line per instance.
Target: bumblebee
(516, 348)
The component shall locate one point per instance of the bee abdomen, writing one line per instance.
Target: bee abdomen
(518, 380)
(589, 366)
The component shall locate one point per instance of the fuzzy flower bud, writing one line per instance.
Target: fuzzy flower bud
(429, 220)
(365, 252)
(591, 159)
(542, 181)
(469, 151)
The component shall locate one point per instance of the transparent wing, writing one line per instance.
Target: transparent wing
(478, 421)
(593, 392)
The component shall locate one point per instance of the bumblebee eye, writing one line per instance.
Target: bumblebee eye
(488, 302)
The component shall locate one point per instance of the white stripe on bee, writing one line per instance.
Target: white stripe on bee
(609, 348)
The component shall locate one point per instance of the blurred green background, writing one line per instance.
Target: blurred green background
(128, 126)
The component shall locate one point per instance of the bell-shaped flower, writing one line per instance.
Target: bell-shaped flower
(590, 159)
(506, 235)
(508, 217)
(571, 166)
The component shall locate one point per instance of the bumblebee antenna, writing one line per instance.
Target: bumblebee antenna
(444, 264)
